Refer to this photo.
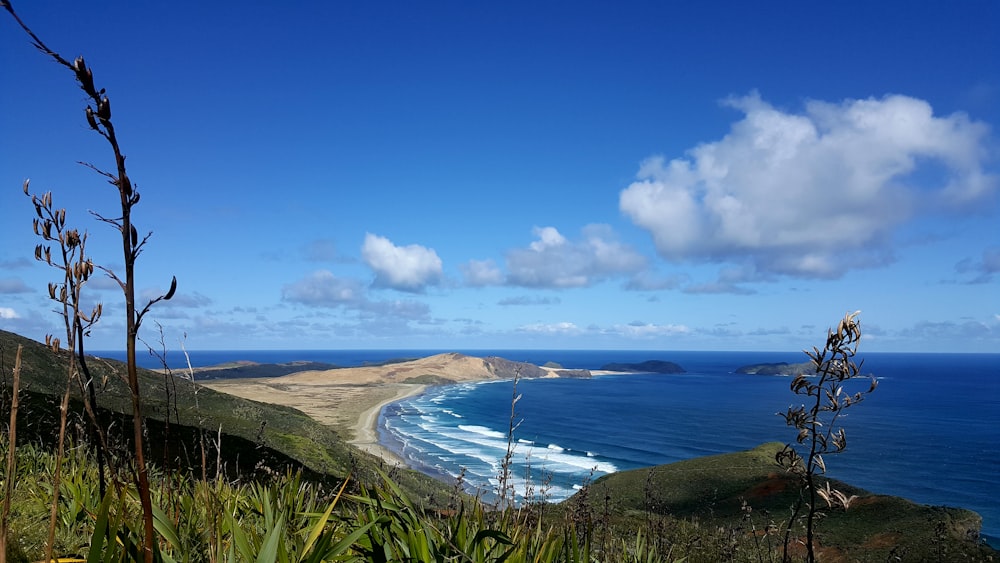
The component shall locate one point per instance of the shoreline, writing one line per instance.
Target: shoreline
(365, 430)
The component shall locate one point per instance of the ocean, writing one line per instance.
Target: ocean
(929, 433)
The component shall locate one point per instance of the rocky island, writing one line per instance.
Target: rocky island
(778, 368)
(649, 366)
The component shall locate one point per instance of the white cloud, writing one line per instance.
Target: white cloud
(323, 289)
(8, 313)
(554, 261)
(551, 328)
(479, 273)
(406, 268)
(650, 330)
(811, 194)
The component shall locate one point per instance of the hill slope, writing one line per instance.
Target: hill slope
(713, 489)
(252, 432)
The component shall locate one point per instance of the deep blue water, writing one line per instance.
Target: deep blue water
(929, 433)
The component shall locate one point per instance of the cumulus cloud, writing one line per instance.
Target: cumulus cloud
(324, 289)
(406, 268)
(931, 331)
(13, 285)
(479, 273)
(557, 262)
(637, 329)
(8, 313)
(649, 281)
(810, 194)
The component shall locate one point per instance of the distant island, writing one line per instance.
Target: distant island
(649, 366)
(778, 368)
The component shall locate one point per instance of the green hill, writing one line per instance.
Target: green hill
(718, 490)
(252, 434)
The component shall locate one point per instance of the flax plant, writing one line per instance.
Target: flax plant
(11, 453)
(815, 423)
(98, 115)
(76, 269)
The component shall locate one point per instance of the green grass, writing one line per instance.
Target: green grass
(253, 433)
(717, 490)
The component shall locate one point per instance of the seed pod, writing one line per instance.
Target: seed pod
(173, 288)
(104, 109)
(90, 118)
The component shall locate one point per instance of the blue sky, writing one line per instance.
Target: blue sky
(458, 175)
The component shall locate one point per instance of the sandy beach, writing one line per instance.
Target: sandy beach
(366, 429)
(349, 399)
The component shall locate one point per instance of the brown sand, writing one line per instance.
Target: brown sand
(349, 399)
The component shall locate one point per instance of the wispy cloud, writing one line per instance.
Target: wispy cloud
(182, 299)
(551, 328)
(528, 300)
(638, 329)
(984, 267)
(324, 289)
(321, 250)
(812, 194)
(17, 263)
(406, 268)
(14, 285)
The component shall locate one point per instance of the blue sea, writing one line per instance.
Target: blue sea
(929, 433)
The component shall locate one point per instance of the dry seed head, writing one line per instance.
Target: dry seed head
(26, 182)
(72, 236)
(90, 118)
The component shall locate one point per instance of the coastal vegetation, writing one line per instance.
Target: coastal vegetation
(109, 462)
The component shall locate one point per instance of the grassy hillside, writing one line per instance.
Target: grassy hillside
(252, 433)
(737, 490)
(732, 506)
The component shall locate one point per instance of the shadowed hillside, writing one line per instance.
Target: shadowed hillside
(253, 433)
